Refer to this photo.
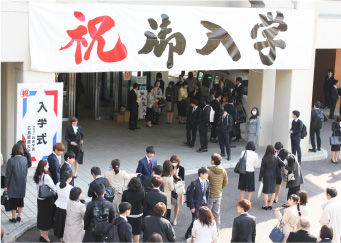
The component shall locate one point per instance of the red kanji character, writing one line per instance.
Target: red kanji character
(77, 35)
(118, 53)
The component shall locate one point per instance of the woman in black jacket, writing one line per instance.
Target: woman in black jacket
(135, 196)
(179, 174)
(267, 175)
(170, 99)
(336, 128)
(294, 168)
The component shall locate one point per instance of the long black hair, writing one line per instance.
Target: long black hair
(254, 116)
(116, 164)
(65, 176)
(40, 170)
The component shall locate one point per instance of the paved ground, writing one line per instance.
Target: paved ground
(106, 140)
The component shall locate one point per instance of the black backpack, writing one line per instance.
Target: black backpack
(112, 228)
(304, 132)
(100, 219)
(189, 188)
(319, 120)
(109, 193)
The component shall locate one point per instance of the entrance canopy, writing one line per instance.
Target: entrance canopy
(110, 37)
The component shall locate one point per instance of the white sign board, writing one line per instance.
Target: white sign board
(141, 80)
(39, 117)
(101, 37)
(142, 104)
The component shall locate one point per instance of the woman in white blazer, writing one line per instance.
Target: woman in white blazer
(247, 181)
(44, 205)
(117, 180)
(74, 222)
(204, 228)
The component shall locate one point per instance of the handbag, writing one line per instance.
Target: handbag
(335, 140)
(45, 191)
(241, 165)
(5, 201)
(161, 103)
(179, 187)
(277, 234)
(157, 110)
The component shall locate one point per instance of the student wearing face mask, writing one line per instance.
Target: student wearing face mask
(178, 174)
(253, 126)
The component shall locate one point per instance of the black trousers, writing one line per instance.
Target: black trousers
(326, 98)
(133, 117)
(203, 129)
(239, 135)
(214, 131)
(314, 131)
(296, 148)
(168, 214)
(230, 137)
(191, 129)
(293, 190)
(332, 109)
(224, 141)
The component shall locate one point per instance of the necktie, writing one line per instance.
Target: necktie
(150, 163)
(202, 186)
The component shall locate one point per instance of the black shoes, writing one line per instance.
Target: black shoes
(222, 155)
(18, 219)
(267, 208)
(312, 150)
(13, 220)
(318, 149)
(233, 146)
(204, 150)
(186, 143)
(228, 158)
(191, 145)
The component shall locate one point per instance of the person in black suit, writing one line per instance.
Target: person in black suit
(157, 223)
(238, 91)
(232, 110)
(146, 164)
(225, 126)
(244, 226)
(336, 131)
(153, 197)
(192, 122)
(303, 234)
(134, 107)
(69, 158)
(316, 122)
(197, 196)
(334, 96)
(203, 126)
(147, 182)
(54, 165)
(124, 228)
(74, 137)
(88, 217)
(328, 84)
(215, 104)
(295, 135)
(98, 179)
(196, 94)
(162, 83)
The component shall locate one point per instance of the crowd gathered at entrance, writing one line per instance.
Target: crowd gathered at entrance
(148, 205)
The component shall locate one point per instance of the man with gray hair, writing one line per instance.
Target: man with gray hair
(303, 234)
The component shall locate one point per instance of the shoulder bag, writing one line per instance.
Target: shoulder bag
(335, 140)
(179, 187)
(45, 191)
(241, 165)
(277, 234)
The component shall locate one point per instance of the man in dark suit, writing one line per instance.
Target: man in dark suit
(134, 107)
(153, 197)
(203, 126)
(98, 179)
(244, 226)
(196, 94)
(238, 93)
(192, 122)
(328, 84)
(232, 110)
(198, 196)
(74, 137)
(225, 126)
(146, 164)
(100, 203)
(316, 122)
(147, 183)
(303, 234)
(334, 96)
(215, 104)
(124, 228)
(54, 165)
(295, 135)
(69, 158)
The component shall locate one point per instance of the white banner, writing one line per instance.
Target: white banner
(39, 117)
(111, 37)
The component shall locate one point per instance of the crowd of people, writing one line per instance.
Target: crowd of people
(149, 203)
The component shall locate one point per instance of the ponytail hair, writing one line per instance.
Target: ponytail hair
(115, 164)
(65, 176)
(298, 209)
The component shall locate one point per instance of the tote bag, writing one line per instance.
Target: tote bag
(241, 165)
(277, 234)
(45, 191)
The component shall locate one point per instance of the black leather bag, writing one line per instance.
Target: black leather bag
(241, 165)
(5, 201)
(45, 191)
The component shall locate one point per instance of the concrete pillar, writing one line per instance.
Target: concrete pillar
(261, 92)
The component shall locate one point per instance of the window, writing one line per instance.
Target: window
(217, 78)
(207, 80)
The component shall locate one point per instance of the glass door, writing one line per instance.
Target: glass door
(69, 81)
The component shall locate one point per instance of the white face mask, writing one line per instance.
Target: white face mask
(174, 164)
(254, 113)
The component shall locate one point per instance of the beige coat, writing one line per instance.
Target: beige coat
(169, 187)
(289, 219)
(74, 223)
(118, 182)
